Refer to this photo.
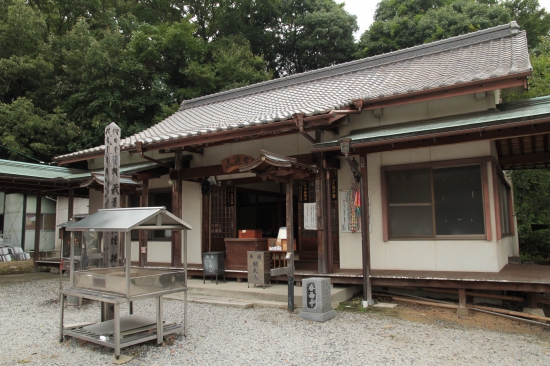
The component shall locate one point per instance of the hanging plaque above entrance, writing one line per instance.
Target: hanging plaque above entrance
(234, 162)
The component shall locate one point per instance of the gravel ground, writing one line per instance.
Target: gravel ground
(259, 336)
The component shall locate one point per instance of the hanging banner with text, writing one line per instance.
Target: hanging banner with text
(229, 196)
(310, 215)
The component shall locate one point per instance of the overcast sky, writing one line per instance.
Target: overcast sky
(364, 10)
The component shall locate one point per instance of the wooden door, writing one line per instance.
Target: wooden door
(219, 218)
(307, 239)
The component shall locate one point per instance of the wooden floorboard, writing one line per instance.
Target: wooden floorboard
(512, 277)
(509, 273)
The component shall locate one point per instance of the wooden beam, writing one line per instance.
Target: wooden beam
(323, 263)
(524, 159)
(290, 241)
(70, 204)
(474, 285)
(511, 131)
(143, 234)
(37, 230)
(177, 210)
(365, 234)
(151, 173)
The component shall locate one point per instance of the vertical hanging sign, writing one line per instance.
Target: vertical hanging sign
(111, 191)
(229, 196)
(304, 190)
(333, 189)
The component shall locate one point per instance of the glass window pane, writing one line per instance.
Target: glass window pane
(411, 221)
(458, 201)
(161, 199)
(410, 186)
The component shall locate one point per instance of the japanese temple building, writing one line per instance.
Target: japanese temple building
(397, 163)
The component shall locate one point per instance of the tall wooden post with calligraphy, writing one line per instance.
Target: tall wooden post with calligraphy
(111, 199)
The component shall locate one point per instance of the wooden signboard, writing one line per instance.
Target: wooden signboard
(333, 189)
(303, 189)
(234, 162)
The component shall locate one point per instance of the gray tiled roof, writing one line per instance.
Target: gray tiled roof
(484, 55)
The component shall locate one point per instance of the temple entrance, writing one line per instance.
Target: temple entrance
(261, 206)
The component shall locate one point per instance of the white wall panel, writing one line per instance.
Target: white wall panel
(452, 255)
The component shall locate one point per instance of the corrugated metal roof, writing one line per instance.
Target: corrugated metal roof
(100, 179)
(507, 113)
(484, 55)
(126, 219)
(40, 171)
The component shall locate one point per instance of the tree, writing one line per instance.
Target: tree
(88, 63)
(532, 187)
(529, 15)
(291, 35)
(405, 23)
(532, 206)
(229, 65)
(24, 129)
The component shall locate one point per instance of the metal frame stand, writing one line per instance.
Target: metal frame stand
(211, 279)
(86, 333)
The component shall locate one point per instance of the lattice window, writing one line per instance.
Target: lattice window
(222, 217)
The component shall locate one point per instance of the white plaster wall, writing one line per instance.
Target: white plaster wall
(420, 111)
(96, 201)
(192, 214)
(283, 145)
(450, 255)
(160, 251)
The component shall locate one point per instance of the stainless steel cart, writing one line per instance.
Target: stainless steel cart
(125, 284)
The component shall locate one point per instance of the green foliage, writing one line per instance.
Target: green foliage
(229, 64)
(292, 36)
(539, 81)
(530, 17)
(28, 130)
(532, 206)
(87, 63)
(532, 187)
(405, 23)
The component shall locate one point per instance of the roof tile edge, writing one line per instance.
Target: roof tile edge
(504, 30)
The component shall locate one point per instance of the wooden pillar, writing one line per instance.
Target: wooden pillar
(323, 262)
(365, 231)
(24, 218)
(37, 229)
(177, 210)
(462, 310)
(70, 204)
(290, 243)
(144, 202)
(532, 302)
(328, 223)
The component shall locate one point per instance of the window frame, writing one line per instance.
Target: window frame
(481, 162)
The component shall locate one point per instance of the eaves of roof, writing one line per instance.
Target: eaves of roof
(498, 53)
(506, 115)
(10, 168)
